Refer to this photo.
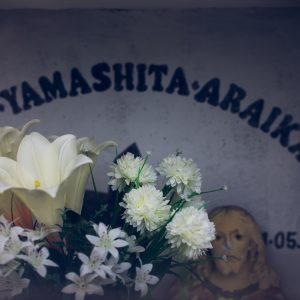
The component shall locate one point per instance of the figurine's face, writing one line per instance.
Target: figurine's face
(232, 240)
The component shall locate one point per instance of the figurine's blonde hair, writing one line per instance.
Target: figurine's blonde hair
(261, 272)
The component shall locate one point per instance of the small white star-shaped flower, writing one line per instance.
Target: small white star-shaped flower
(94, 263)
(6, 229)
(142, 279)
(108, 241)
(82, 285)
(39, 259)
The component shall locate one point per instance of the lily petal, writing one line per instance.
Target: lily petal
(39, 159)
(8, 173)
(38, 200)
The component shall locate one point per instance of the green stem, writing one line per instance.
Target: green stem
(94, 183)
(11, 208)
(117, 210)
(211, 191)
(137, 180)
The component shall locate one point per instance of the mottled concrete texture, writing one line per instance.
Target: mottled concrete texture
(258, 50)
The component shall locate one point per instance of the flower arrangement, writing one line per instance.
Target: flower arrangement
(130, 241)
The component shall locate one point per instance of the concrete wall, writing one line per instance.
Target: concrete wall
(256, 51)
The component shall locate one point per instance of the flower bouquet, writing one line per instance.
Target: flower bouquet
(127, 244)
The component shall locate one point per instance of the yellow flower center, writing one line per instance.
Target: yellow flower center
(37, 184)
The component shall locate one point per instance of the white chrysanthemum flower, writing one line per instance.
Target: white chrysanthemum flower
(181, 173)
(143, 278)
(127, 169)
(145, 208)
(191, 232)
(107, 241)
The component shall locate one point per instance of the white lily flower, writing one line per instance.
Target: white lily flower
(142, 279)
(39, 259)
(39, 176)
(6, 230)
(9, 267)
(40, 233)
(95, 263)
(108, 241)
(10, 139)
(5, 256)
(82, 285)
(13, 284)
(132, 245)
(120, 270)
(14, 245)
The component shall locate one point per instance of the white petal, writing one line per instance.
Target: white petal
(147, 268)
(45, 209)
(122, 267)
(83, 258)
(94, 289)
(114, 233)
(44, 252)
(93, 239)
(114, 252)
(80, 160)
(120, 243)
(65, 147)
(141, 287)
(8, 173)
(101, 273)
(70, 289)
(39, 158)
(72, 276)
(152, 279)
(41, 270)
(50, 263)
(79, 295)
(102, 229)
(75, 187)
(85, 269)
(5, 258)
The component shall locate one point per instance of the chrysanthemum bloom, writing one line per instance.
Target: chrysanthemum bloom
(10, 205)
(126, 171)
(181, 173)
(145, 208)
(40, 174)
(190, 232)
